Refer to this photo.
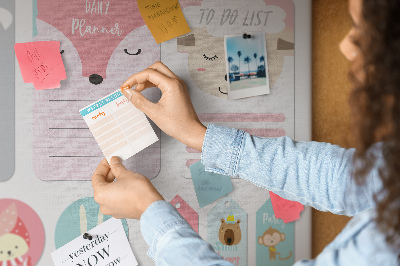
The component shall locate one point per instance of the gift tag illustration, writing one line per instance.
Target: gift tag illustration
(79, 217)
(21, 234)
(227, 231)
(275, 239)
(187, 212)
(209, 186)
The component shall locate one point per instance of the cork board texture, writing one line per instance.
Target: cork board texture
(330, 97)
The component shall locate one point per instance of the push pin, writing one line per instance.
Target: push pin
(88, 236)
(246, 36)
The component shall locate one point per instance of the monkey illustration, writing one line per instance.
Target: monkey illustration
(270, 238)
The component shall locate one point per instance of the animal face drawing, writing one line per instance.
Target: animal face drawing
(230, 233)
(14, 237)
(270, 238)
(206, 61)
(12, 246)
(205, 44)
(100, 48)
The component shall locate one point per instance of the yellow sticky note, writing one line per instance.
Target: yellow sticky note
(164, 18)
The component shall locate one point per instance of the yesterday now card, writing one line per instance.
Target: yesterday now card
(108, 246)
(118, 126)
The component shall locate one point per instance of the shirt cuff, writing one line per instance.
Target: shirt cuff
(159, 218)
(222, 148)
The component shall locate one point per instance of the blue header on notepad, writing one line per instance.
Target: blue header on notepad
(100, 103)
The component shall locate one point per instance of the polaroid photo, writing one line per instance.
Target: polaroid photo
(246, 65)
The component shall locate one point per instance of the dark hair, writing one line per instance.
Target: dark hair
(375, 103)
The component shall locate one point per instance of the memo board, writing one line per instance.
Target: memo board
(52, 141)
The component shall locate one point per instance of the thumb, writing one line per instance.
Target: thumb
(117, 167)
(138, 100)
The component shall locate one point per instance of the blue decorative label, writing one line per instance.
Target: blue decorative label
(275, 239)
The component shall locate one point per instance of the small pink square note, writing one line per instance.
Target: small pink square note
(41, 63)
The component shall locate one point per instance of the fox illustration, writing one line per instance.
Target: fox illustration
(102, 44)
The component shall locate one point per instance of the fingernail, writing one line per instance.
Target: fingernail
(125, 88)
(128, 94)
(115, 160)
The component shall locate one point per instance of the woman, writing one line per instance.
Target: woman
(362, 182)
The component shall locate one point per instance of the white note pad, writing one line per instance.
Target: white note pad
(118, 126)
(109, 246)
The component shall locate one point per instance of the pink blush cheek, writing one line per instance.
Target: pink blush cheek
(201, 69)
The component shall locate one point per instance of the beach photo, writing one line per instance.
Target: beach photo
(246, 65)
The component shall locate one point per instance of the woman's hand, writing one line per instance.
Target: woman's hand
(173, 113)
(127, 197)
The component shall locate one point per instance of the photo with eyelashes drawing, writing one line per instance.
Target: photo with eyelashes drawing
(246, 65)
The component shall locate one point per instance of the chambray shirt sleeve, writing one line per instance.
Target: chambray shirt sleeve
(312, 173)
(172, 241)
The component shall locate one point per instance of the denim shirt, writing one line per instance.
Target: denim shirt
(312, 173)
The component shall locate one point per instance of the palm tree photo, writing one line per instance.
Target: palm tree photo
(230, 60)
(255, 59)
(262, 59)
(239, 53)
(247, 60)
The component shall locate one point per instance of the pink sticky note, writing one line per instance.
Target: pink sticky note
(284, 209)
(41, 63)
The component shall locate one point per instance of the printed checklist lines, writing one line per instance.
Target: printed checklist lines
(119, 128)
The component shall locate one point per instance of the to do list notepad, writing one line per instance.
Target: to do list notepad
(118, 126)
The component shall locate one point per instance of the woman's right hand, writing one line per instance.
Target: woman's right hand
(174, 112)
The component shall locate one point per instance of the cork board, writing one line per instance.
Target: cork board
(330, 108)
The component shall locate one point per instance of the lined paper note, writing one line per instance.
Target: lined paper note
(118, 126)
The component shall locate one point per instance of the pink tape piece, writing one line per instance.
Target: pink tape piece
(187, 212)
(190, 150)
(241, 117)
(288, 211)
(265, 132)
(41, 63)
(191, 161)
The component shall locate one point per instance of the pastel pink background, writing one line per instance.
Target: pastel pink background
(95, 49)
(32, 223)
(62, 142)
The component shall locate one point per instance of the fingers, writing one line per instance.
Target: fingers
(142, 86)
(100, 174)
(140, 102)
(159, 80)
(160, 67)
(117, 167)
(110, 177)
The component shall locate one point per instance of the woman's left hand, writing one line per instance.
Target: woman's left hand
(127, 197)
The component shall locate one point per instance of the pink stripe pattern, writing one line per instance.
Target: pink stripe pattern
(241, 117)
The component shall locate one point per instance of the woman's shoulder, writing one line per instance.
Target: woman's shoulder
(361, 240)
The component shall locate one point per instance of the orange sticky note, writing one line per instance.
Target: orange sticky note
(164, 18)
(41, 63)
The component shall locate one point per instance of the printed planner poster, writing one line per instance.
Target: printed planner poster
(62, 140)
(199, 59)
